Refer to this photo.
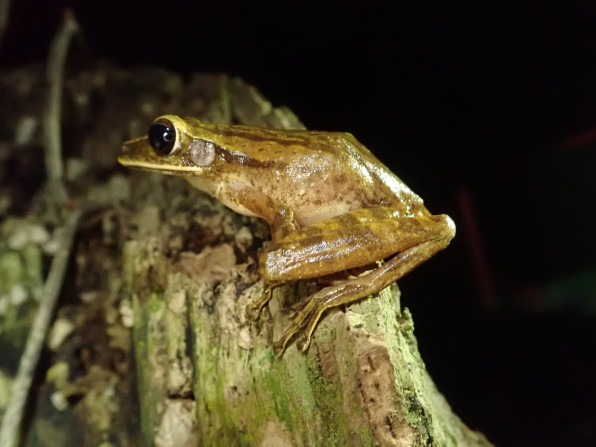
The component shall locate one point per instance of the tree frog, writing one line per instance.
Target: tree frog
(330, 204)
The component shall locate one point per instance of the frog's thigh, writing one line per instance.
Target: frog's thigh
(350, 240)
(370, 283)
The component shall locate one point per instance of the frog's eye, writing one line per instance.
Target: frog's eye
(162, 137)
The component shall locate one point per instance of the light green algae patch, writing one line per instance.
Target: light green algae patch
(148, 344)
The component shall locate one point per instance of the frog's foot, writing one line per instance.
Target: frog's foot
(309, 312)
(253, 308)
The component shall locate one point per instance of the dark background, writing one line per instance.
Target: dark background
(486, 111)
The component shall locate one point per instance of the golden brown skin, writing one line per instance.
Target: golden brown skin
(330, 203)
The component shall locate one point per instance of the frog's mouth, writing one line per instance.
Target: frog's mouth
(139, 154)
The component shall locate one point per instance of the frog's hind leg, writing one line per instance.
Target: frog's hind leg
(313, 307)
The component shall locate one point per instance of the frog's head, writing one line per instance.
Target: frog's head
(173, 146)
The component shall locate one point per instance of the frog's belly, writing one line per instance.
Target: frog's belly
(308, 203)
(304, 215)
(308, 215)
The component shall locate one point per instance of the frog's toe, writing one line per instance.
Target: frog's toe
(297, 322)
(279, 347)
(253, 308)
(303, 342)
(252, 311)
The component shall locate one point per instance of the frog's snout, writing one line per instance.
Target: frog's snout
(124, 154)
(124, 150)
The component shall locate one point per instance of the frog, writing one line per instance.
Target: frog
(331, 205)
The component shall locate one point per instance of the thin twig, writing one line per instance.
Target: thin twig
(4, 11)
(55, 78)
(9, 431)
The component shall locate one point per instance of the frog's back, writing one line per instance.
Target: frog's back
(324, 173)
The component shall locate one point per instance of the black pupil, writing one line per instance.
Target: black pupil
(161, 137)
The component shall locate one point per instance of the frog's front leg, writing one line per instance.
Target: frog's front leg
(354, 239)
(249, 201)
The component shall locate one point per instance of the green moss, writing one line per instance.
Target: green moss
(155, 304)
(146, 343)
(271, 382)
